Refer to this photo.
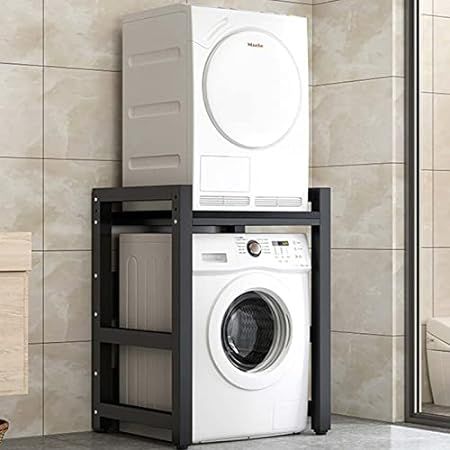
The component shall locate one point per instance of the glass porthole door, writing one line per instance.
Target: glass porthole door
(254, 332)
(251, 332)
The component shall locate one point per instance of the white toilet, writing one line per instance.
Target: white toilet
(438, 354)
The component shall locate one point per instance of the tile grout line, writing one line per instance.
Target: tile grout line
(50, 66)
(331, 166)
(49, 158)
(293, 2)
(433, 92)
(325, 2)
(358, 80)
(432, 164)
(368, 334)
(439, 16)
(43, 219)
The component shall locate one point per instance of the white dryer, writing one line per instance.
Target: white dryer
(251, 322)
(218, 99)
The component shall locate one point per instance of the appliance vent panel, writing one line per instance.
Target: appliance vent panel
(224, 201)
(211, 201)
(293, 202)
(266, 201)
(286, 202)
(236, 201)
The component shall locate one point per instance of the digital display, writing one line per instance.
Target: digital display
(215, 257)
(280, 243)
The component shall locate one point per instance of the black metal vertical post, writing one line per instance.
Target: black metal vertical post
(320, 313)
(182, 317)
(96, 344)
(105, 376)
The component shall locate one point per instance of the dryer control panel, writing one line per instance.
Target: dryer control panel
(240, 251)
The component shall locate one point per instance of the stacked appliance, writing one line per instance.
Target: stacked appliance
(218, 99)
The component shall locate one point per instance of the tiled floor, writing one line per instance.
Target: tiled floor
(347, 434)
(436, 409)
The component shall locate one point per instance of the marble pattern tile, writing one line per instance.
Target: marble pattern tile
(67, 294)
(441, 7)
(426, 6)
(352, 42)
(82, 114)
(91, 30)
(21, 31)
(21, 188)
(358, 123)
(24, 412)
(67, 200)
(441, 63)
(375, 304)
(427, 397)
(67, 387)
(441, 130)
(441, 222)
(367, 205)
(426, 131)
(426, 208)
(426, 54)
(35, 328)
(366, 372)
(426, 284)
(21, 109)
(441, 282)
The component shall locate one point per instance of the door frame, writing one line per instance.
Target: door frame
(413, 376)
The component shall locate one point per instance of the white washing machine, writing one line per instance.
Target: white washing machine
(251, 320)
(218, 99)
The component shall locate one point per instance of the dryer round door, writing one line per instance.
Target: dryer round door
(252, 89)
(250, 334)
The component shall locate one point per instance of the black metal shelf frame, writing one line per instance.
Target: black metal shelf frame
(181, 222)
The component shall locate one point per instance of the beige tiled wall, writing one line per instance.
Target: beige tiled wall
(435, 167)
(60, 135)
(358, 150)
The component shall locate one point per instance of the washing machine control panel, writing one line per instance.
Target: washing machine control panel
(277, 250)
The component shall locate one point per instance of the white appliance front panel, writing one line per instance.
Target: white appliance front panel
(229, 253)
(261, 407)
(244, 106)
(252, 89)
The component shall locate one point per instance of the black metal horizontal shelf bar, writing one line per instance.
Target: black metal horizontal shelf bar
(211, 218)
(138, 338)
(255, 218)
(150, 218)
(135, 414)
(136, 194)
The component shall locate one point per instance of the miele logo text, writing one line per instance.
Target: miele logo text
(257, 45)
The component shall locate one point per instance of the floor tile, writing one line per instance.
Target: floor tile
(346, 433)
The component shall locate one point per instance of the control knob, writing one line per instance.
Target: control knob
(254, 248)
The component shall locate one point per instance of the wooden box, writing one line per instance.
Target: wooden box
(15, 264)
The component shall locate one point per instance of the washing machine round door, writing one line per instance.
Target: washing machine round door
(252, 89)
(253, 331)
(250, 333)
